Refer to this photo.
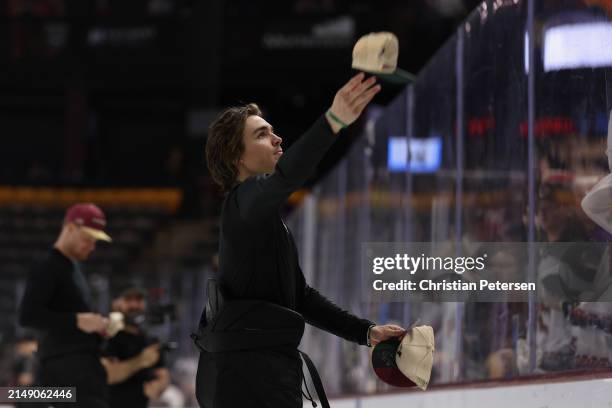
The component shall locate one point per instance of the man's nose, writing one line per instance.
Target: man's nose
(276, 140)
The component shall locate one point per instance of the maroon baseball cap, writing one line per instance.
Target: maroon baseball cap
(385, 367)
(406, 361)
(90, 218)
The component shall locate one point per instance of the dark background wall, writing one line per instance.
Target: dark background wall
(107, 92)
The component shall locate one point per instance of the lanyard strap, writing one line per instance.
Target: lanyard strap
(316, 380)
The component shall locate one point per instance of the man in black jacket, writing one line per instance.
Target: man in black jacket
(57, 302)
(133, 388)
(258, 258)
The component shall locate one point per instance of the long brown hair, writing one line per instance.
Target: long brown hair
(225, 145)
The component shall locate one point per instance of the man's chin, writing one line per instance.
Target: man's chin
(83, 257)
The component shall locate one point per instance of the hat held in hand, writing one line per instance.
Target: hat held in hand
(406, 362)
(115, 324)
(376, 53)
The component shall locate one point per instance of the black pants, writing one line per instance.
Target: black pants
(250, 379)
(83, 371)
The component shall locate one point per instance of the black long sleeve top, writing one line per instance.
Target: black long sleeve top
(258, 257)
(54, 294)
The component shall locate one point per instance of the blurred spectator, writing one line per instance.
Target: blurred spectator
(592, 329)
(184, 371)
(565, 273)
(134, 383)
(57, 302)
(23, 366)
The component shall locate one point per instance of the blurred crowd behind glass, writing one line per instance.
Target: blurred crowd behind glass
(488, 146)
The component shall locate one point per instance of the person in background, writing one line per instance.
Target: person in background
(57, 302)
(23, 365)
(136, 372)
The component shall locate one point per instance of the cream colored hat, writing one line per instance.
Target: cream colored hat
(377, 53)
(414, 356)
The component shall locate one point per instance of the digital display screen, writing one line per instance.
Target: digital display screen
(414, 155)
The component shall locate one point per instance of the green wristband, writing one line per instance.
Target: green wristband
(336, 119)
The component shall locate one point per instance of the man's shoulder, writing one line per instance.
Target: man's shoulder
(53, 262)
(54, 256)
(231, 213)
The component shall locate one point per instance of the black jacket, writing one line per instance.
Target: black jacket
(258, 260)
(55, 292)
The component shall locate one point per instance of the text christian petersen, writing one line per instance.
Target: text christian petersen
(436, 264)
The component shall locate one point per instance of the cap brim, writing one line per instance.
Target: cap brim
(399, 77)
(385, 367)
(97, 234)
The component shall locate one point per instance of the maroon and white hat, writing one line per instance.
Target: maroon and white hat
(406, 361)
(90, 218)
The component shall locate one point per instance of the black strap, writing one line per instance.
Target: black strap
(214, 342)
(316, 380)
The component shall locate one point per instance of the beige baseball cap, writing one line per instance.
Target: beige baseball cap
(414, 355)
(376, 53)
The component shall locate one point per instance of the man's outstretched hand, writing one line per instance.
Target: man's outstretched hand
(351, 100)
(386, 332)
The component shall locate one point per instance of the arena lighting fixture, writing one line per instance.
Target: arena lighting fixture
(579, 45)
(414, 155)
